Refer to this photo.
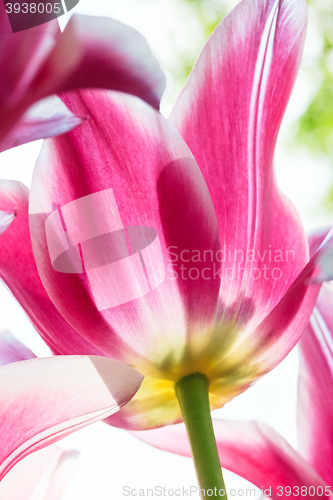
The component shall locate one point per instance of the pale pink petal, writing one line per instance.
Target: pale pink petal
(252, 450)
(43, 400)
(6, 218)
(62, 475)
(104, 53)
(324, 271)
(229, 114)
(315, 392)
(125, 167)
(47, 118)
(19, 272)
(12, 350)
(43, 475)
(316, 238)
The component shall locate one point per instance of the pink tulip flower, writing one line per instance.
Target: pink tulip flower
(257, 452)
(41, 476)
(38, 62)
(166, 244)
(127, 178)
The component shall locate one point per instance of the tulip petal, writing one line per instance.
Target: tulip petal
(252, 450)
(47, 118)
(315, 391)
(12, 350)
(91, 52)
(280, 330)
(43, 400)
(5, 220)
(43, 475)
(103, 53)
(62, 475)
(229, 114)
(154, 405)
(19, 272)
(91, 185)
(325, 262)
(21, 56)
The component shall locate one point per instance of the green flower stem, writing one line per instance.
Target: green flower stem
(193, 396)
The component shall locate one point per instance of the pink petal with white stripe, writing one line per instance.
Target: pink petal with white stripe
(315, 392)
(44, 475)
(43, 400)
(229, 114)
(108, 201)
(252, 450)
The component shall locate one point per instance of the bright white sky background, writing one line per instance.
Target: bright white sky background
(111, 458)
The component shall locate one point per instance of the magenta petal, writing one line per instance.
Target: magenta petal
(103, 53)
(19, 272)
(47, 118)
(229, 114)
(252, 450)
(281, 329)
(121, 186)
(21, 56)
(43, 400)
(91, 52)
(315, 392)
(49, 470)
(12, 350)
(279, 332)
(6, 218)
